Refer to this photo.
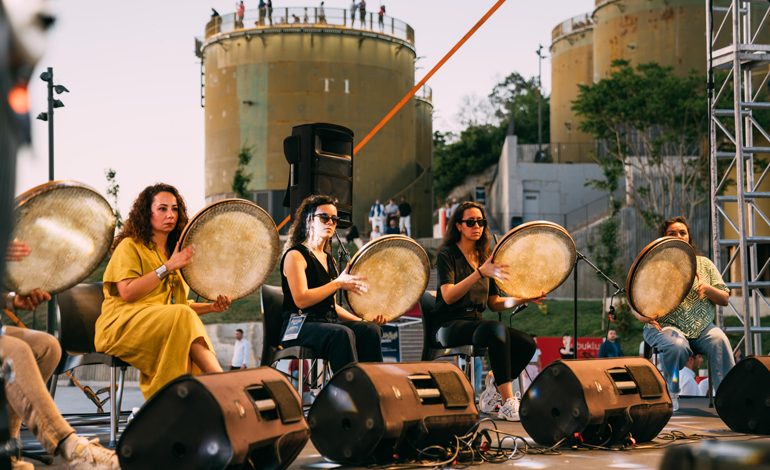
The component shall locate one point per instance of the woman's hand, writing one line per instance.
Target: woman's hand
(494, 271)
(180, 259)
(351, 283)
(380, 320)
(31, 300)
(222, 303)
(17, 251)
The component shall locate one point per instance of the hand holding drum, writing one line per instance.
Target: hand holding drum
(351, 283)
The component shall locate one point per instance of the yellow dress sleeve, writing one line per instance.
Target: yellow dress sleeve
(125, 262)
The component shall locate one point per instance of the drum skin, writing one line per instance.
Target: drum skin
(69, 227)
(661, 277)
(236, 248)
(540, 256)
(397, 270)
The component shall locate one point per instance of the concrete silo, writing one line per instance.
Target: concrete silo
(571, 65)
(267, 73)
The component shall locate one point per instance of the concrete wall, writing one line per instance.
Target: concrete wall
(559, 188)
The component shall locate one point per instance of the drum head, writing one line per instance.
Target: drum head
(69, 228)
(397, 270)
(661, 277)
(236, 248)
(540, 255)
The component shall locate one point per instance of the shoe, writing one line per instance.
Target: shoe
(18, 464)
(510, 410)
(83, 454)
(131, 417)
(675, 401)
(490, 398)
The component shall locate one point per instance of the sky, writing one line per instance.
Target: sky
(134, 80)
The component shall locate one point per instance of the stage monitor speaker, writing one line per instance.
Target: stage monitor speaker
(743, 398)
(320, 160)
(369, 413)
(602, 400)
(247, 419)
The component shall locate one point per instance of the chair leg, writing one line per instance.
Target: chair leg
(471, 362)
(521, 381)
(52, 385)
(113, 409)
(710, 392)
(300, 376)
(121, 383)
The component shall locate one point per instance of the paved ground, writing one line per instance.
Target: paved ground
(693, 419)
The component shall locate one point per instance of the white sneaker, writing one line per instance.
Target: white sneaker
(675, 401)
(83, 454)
(510, 410)
(490, 398)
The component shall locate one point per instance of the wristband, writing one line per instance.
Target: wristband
(162, 271)
(478, 270)
(9, 298)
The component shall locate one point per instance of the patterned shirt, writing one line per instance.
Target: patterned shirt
(694, 314)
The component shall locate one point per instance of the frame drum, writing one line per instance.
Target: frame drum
(661, 277)
(236, 248)
(540, 255)
(69, 228)
(397, 270)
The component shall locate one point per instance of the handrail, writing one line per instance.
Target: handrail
(282, 17)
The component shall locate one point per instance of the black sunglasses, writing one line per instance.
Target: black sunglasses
(471, 222)
(325, 218)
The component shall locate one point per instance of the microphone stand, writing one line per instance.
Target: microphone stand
(342, 254)
(618, 290)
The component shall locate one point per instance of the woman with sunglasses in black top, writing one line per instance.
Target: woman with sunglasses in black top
(309, 280)
(465, 270)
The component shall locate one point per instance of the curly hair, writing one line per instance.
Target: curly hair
(452, 234)
(299, 230)
(138, 225)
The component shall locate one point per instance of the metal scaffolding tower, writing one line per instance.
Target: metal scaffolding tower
(738, 54)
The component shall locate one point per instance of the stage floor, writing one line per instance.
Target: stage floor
(694, 420)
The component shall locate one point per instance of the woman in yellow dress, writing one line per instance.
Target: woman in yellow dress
(146, 318)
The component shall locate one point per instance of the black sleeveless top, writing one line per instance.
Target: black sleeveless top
(317, 276)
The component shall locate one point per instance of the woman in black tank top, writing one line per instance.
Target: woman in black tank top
(309, 281)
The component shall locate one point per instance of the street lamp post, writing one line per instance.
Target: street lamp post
(53, 103)
(539, 53)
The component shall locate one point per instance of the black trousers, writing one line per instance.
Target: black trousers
(343, 342)
(509, 350)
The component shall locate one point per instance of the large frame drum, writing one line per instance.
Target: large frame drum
(69, 227)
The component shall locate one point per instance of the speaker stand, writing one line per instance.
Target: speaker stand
(618, 290)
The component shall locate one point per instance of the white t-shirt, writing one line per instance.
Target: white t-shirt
(241, 353)
(687, 384)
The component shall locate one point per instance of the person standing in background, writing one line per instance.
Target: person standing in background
(405, 217)
(241, 352)
(610, 347)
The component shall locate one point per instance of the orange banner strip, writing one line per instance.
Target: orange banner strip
(283, 222)
(422, 82)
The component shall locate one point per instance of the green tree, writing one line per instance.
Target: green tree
(113, 189)
(651, 123)
(241, 178)
(478, 145)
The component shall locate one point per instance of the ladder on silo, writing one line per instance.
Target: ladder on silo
(736, 94)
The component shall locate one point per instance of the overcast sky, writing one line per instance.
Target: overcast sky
(134, 80)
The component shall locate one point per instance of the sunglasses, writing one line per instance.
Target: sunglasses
(326, 218)
(472, 222)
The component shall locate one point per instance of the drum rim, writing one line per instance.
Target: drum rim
(24, 198)
(642, 254)
(232, 200)
(368, 247)
(532, 224)
(49, 186)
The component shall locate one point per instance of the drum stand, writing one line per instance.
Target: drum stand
(618, 290)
